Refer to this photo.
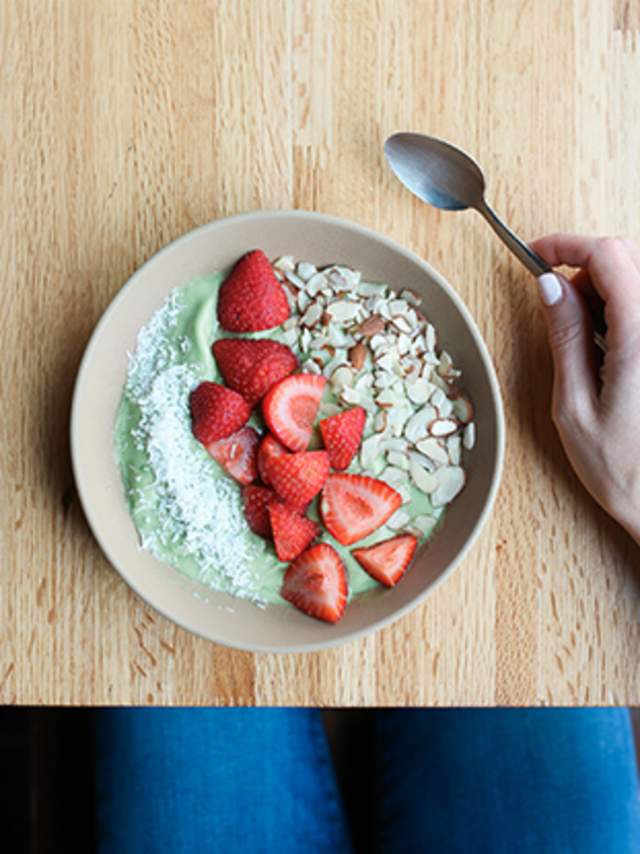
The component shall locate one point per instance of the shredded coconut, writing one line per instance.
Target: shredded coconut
(195, 513)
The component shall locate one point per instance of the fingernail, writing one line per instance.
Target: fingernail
(550, 288)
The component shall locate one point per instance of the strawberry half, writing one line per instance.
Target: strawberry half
(269, 447)
(251, 298)
(290, 408)
(292, 532)
(297, 478)
(353, 506)
(216, 412)
(341, 435)
(256, 503)
(316, 583)
(237, 454)
(252, 367)
(387, 561)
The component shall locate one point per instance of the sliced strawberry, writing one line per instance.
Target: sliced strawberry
(216, 412)
(251, 298)
(292, 532)
(353, 506)
(341, 435)
(237, 454)
(290, 408)
(297, 478)
(316, 583)
(269, 447)
(387, 561)
(251, 367)
(256, 503)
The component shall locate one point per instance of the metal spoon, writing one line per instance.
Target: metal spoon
(446, 177)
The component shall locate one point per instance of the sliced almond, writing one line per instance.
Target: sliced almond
(399, 445)
(445, 410)
(434, 450)
(378, 342)
(358, 356)
(398, 306)
(443, 427)
(296, 281)
(290, 323)
(387, 361)
(446, 364)
(369, 450)
(411, 296)
(369, 289)
(437, 397)
(340, 358)
(342, 311)
(311, 367)
(404, 492)
(424, 524)
(398, 418)
(341, 377)
(316, 284)
(322, 357)
(451, 479)
(387, 397)
(401, 323)
(351, 395)
(463, 409)
(469, 436)
(430, 338)
(306, 270)
(454, 445)
(425, 481)
(303, 302)
(417, 426)
(380, 421)
(305, 340)
(312, 315)
(393, 475)
(290, 337)
(419, 392)
(285, 263)
(318, 341)
(372, 326)
(365, 382)
(398, 520)
(326, 318)
(398, 459)
(420, 460)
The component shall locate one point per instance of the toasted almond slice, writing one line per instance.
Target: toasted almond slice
(417, 426)
(443, 427)
(322, 357)
(373, 325)
(419, 391)
(454, 444)
(306, 270)
(341, 377)
(434, 450)
(380, 421)
(451, 479)
(398, 459)
(398, 520)
(411, 296)
(312, 315)
(463, 409)
(342, 311)
(369, 450)
(469, 436)
(285, 263)
(358, 356)
(425, 481)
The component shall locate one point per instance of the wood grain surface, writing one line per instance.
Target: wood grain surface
(124, 124)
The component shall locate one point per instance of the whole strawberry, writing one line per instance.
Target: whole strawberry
(216, 412)
(251, 367)
(251, 298)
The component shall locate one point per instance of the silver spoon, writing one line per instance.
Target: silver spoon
(446, 177)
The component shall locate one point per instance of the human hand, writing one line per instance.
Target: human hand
(597, 414)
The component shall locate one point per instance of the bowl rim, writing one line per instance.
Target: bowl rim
(496, 398)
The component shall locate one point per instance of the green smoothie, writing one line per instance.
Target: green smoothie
(186, 509)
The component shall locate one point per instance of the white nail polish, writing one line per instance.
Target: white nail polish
(550, 288)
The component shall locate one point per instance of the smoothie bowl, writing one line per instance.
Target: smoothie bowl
(286, 430)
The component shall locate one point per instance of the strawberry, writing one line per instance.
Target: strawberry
(341, 435)
(216, 412)
(269, 447)
(252, 367)
(251, 298)
(290, 407)
(237, 454)
(297, 478)
(387, 561)
(292, 532)
(353, 506)
(256, 508)
(316, 583)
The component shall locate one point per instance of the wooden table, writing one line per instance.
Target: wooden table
(125, 124)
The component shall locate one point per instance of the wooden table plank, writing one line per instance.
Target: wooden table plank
(126, 124)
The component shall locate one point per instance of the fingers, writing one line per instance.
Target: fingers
(612, 270)
(570, 334)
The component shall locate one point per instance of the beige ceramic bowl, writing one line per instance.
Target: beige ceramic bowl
(323, 240)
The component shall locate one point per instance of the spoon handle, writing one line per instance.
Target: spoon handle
(533, 262)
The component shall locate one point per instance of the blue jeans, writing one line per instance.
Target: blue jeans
(540, 781)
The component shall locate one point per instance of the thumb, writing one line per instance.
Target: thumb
(570, 331)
